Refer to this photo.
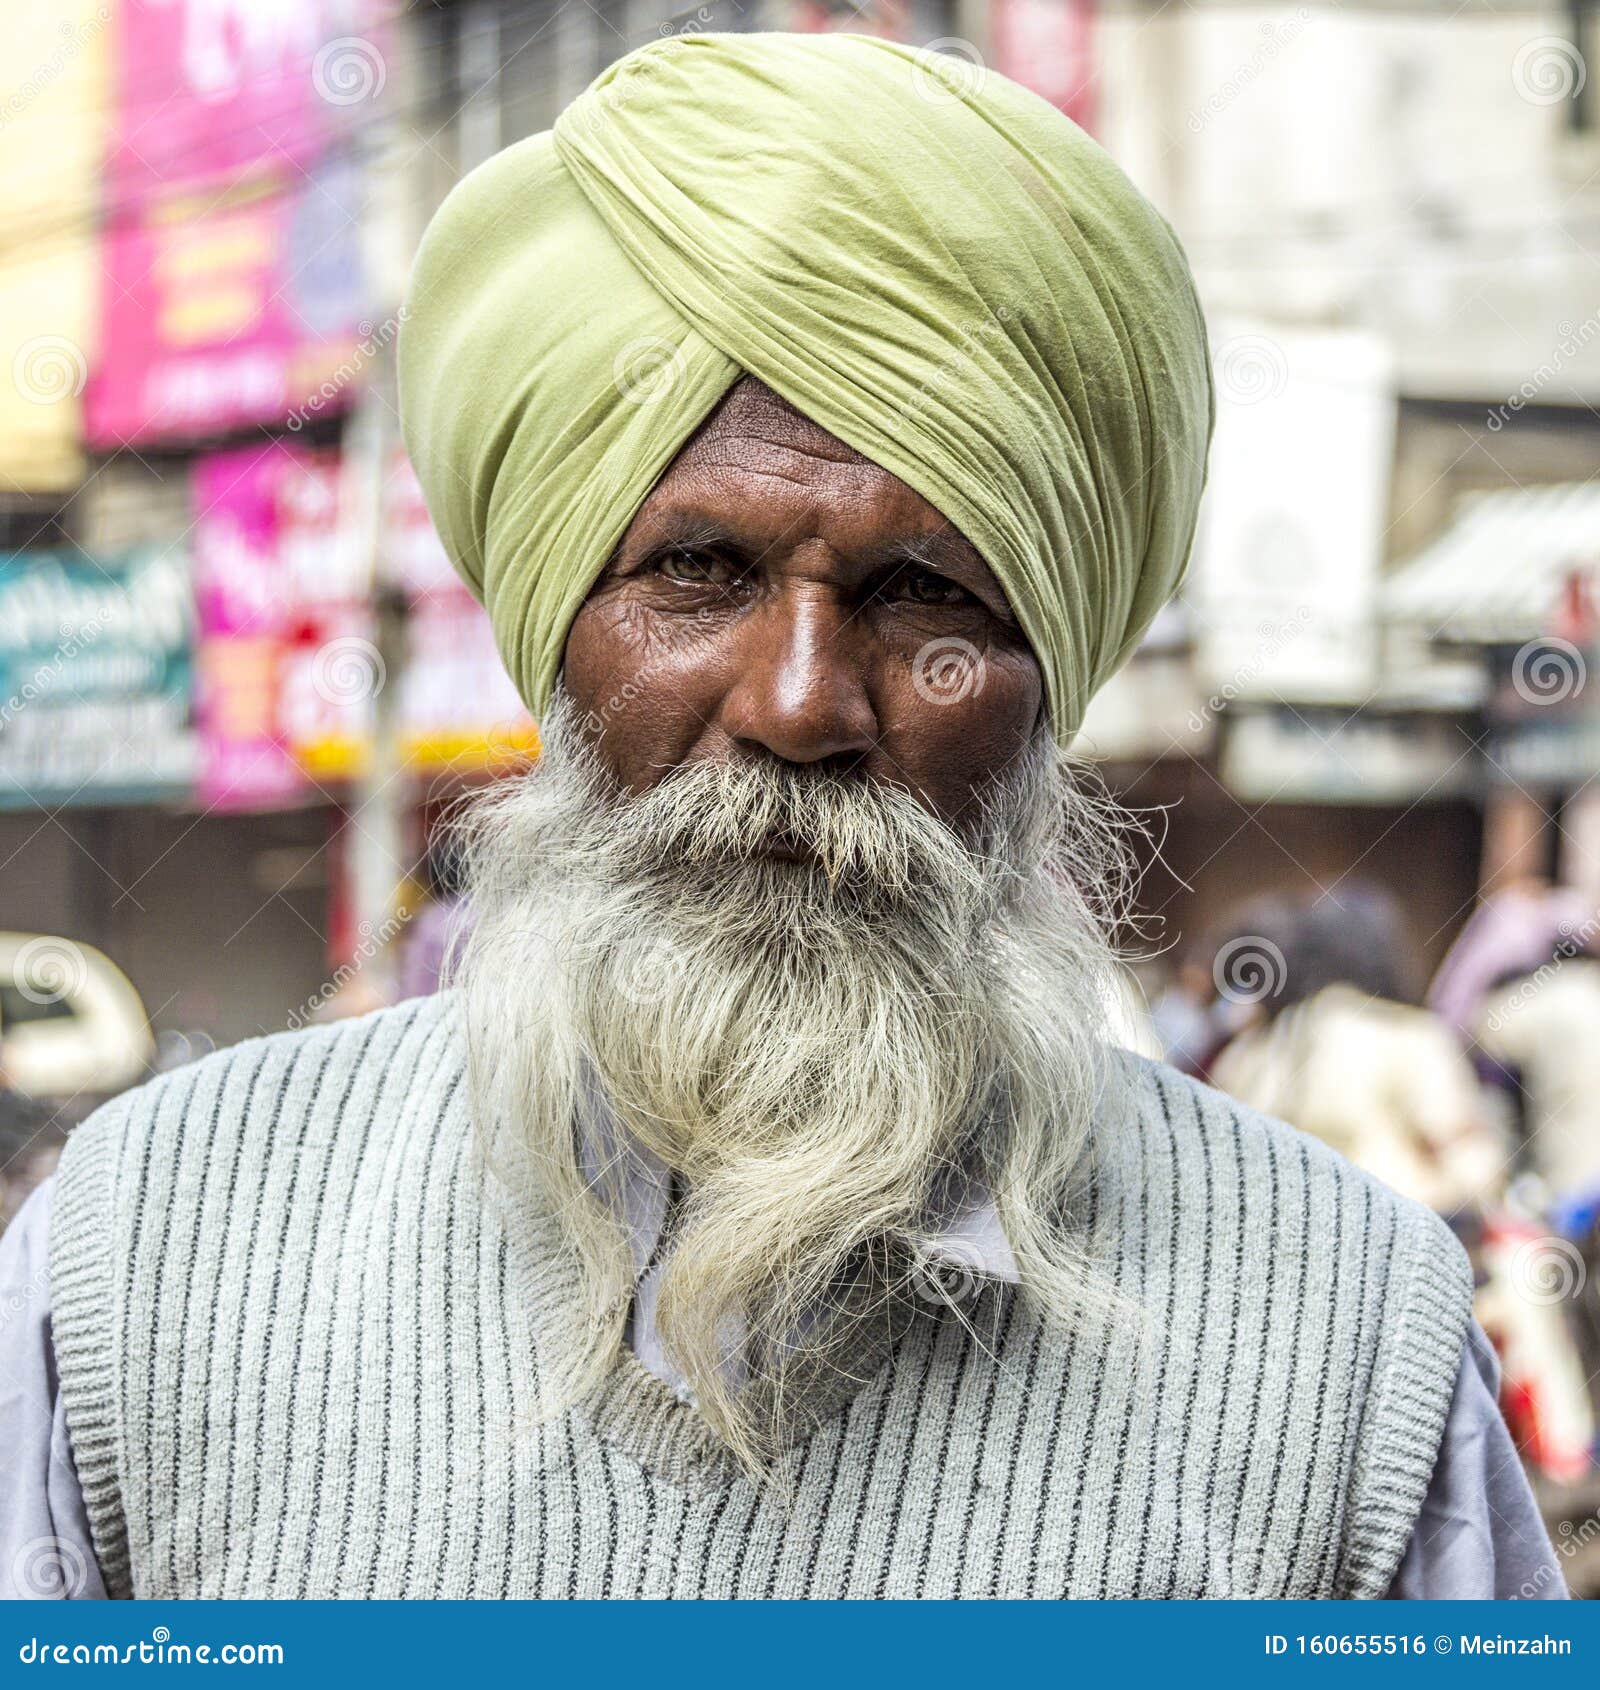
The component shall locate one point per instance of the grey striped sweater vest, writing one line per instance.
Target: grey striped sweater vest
(299, 1337)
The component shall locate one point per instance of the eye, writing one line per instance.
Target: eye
(923, 586)
(696, 568)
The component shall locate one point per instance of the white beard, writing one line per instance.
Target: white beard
(815, 1047)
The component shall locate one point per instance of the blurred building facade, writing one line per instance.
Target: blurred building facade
(1392, 212)
(243, 682)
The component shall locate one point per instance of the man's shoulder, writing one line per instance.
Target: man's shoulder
(1272, 1184)
(311, 1081)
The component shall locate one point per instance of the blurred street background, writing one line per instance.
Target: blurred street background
(239, 684)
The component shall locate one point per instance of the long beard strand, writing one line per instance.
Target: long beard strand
(823, 1050)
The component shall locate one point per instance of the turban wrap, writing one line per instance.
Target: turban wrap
(933, 264)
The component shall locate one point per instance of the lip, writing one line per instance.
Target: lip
(785, 848)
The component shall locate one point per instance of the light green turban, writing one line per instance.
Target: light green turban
(930, 262)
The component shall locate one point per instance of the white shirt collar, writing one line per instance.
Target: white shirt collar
(635, 1184)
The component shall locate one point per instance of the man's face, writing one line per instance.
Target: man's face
(778, 594)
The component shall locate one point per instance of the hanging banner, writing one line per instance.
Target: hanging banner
(1048, 46)
(232, 279)
(285, 654)
(458, 709)
(95, 678)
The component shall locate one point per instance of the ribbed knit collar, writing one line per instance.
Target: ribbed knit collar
(646, 1406)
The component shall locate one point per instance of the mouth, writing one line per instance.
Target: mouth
(785, 848)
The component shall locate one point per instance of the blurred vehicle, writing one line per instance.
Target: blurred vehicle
(71, 1023)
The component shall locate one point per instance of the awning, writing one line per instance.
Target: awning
(1504, 569)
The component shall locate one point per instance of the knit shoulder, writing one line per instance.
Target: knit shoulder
(1169, 1106)
(176, 1186)
(1375, 1272)
(257, 1085)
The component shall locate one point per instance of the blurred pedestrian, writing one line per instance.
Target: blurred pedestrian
(1183, 1016)
(1541, 1026)
(1517, 928)
(1336, 1047)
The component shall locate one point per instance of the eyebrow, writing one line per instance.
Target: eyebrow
(686, 528)
(946, 550)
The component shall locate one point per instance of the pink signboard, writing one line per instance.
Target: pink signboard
(457, 707)
(278, 596)
(232, 287)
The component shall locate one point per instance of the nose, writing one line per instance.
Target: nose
(802, 692)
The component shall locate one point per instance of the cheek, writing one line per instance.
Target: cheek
(952, 727)
(642, 696)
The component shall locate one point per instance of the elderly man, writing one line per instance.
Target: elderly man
(765, 1212)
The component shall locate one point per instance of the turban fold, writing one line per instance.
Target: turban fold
(933, 264)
